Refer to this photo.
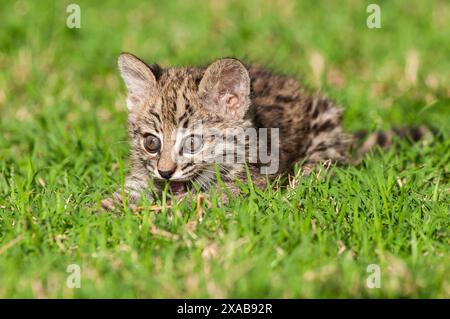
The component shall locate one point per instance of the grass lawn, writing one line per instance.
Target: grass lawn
(63, 147)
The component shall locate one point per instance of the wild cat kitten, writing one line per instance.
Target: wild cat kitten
(228, 98)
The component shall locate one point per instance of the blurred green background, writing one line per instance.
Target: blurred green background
(63, 143)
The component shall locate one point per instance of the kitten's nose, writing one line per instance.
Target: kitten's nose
(166, 174)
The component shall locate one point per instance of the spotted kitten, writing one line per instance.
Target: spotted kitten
(225, 96)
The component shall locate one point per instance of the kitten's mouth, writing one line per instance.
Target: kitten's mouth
(178, 187)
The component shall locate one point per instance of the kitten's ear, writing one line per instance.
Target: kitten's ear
(138, 78)
(225, 88)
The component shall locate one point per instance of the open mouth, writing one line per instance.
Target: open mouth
(178, 187)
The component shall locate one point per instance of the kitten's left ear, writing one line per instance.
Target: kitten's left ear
(225, 88)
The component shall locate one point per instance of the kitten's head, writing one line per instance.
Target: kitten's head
(179, 117)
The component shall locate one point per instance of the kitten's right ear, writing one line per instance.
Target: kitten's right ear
(225, 88)
(138, 78)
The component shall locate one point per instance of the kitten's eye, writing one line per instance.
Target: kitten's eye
(152, 144)
(192, 144)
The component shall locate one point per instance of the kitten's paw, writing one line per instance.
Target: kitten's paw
(108, 204)
(111, 203)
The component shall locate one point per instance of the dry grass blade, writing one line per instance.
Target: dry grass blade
(153, 208)
(11, 244)
(201, 198)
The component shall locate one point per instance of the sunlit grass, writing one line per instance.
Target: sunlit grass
(63, 147)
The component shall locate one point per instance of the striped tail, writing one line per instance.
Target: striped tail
(365, 142)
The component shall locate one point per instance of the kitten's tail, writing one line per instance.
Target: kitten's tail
(365, 142)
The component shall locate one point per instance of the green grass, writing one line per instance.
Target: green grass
(63, 148)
